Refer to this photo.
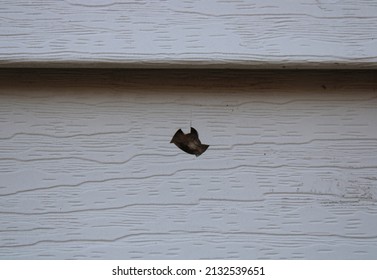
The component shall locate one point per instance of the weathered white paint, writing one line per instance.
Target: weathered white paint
(87, 170)
(192, 33)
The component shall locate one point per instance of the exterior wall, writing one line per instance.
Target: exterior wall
(87, 170)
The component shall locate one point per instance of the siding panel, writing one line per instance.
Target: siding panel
(192, 33)
(87, 170)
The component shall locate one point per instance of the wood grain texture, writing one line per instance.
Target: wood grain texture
(87, 170)
(192, 33)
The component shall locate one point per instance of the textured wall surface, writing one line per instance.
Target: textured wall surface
(215, 33)
(87, 170)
